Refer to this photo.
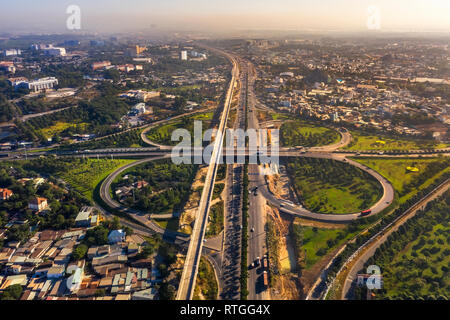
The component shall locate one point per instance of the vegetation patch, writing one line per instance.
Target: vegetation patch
(163, 133)
(206, 286)
(328, 186)
(312, 243)
(415, 259)
(215, 219)
(59, 127)
(407, 182)
(85, 174)
(155, 187)
(301, 133)
(366, 141)
(218, 189)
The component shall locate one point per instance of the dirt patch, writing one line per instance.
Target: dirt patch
(309, 277)
(263, 116)
(279, 185)
(286, 284)
(187, 217)
(288, 287)
(318, 224)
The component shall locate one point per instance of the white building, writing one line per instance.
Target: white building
(116, 236)
(74, 281)
(184, 55)
(140, 108)
(38, 204)
(55, 52)
(41, 84)
(83, 218)
(12, 52)
(15, 82)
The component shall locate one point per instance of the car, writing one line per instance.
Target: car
(258, 261)
(252, 265)
(282, 205)
(252, 229)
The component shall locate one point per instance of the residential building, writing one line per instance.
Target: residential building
(55, 52)
(56, 272)
(83, 218)
(5, 194)
(74, 281)
(7, 66)
(38, 204)
(100, 65)
(11, 52)
(139, 109)
(39, 84)
(15, 82)
(116, 236)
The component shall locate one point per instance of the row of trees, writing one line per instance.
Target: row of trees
(362, 238)
(118, 140)
(423, 272)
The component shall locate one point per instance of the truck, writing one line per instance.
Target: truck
(265, 262)
(366, 213)
(265, 279)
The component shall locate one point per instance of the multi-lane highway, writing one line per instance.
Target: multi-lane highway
(229, 263)
(256, 210)
(189, 274)
(232, 247)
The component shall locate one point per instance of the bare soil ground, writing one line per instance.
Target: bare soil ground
(190, 209)
(310, 276)
(279, 185)
(318, 224)
(287, 285)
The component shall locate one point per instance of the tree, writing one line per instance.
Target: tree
(166, 291)
(100, 293)
(79, 252)
(112, 74)
(115, 224)
(12, 292)
(179, 103)
(97, 236)
(147, 250)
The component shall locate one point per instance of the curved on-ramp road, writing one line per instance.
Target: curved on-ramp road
(136, 214)
(286, 207)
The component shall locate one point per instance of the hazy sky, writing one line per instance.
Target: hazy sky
(219, 15)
